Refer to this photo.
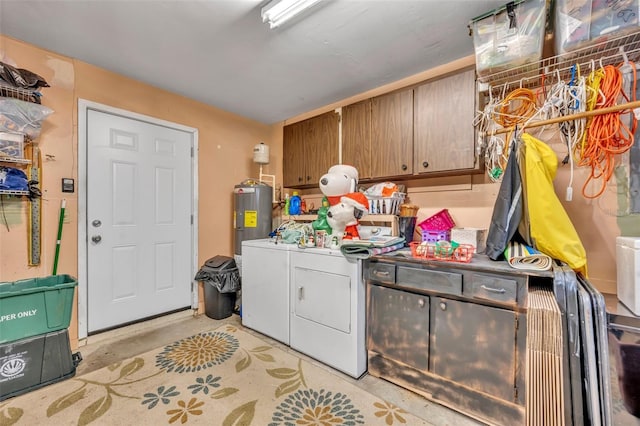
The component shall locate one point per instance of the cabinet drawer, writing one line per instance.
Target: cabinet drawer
(490, 287)
(424, 279)
(382, 272)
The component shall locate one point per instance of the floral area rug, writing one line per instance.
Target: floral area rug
(221, 377)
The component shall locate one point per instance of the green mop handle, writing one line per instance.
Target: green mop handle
(59, 239)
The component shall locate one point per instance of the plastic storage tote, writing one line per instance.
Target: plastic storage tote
(510, 36)
(35, 306)
(32, 363)
(585, 23)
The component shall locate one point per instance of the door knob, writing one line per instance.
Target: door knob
(425, 164)
(96, 238)
(96, 223)
(404, 167)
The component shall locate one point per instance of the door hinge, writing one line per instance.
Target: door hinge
(517, 323)
(191, 152)
(515, 394)
(192, 219)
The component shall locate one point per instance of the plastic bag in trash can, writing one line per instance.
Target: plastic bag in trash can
(221, 272)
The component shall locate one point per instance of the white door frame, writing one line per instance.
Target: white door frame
(83, 107)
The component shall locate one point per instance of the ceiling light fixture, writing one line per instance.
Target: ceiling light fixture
(278, 12)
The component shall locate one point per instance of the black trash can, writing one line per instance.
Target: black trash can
(221, 279)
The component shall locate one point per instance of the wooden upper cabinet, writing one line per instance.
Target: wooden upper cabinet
(293, 154)
(356, 137)
(321, 149)
(443, 122)
(310, 147)
(392, 134)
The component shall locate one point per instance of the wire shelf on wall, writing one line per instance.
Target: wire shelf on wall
(7, 91)
(12, 192)
(14, 160)
(611, 52)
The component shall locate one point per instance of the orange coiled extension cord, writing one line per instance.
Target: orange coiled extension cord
(607, 134)
(516, 108)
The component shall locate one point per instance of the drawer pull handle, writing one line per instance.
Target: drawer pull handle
(381, 273)
(493, 290)
(300, 293)
(421, 303)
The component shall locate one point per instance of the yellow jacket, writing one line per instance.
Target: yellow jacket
(551, 229)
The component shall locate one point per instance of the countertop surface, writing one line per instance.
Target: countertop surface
(618, 313)
(478, 262)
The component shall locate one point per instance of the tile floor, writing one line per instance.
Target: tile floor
(106, 348)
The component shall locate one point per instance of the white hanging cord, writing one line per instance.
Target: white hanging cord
(567, 99)
(495, 157)
(494, 146)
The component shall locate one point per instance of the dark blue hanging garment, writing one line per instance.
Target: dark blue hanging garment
(508, 209)
(13, 179)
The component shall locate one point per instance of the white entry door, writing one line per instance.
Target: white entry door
(139, 214)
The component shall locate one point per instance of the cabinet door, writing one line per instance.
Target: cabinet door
(321, 146)
(293, 154)
(322, 297)
(443, 122)
(474, 345)
(356, 137)
(392, 134)
(398, 325)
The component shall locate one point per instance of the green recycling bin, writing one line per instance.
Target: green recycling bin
(35, 306)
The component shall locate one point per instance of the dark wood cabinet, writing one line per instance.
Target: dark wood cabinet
(399, 325)
(356, 137)
(480, 338)
(443, 124)
(310, 147)
(455, 333)
(293, 161)
(392, 134)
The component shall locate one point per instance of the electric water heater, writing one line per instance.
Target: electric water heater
(251, 213)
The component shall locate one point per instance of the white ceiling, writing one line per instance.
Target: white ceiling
(220, 53)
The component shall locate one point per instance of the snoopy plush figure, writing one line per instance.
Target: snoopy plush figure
(340, 180)
(344, 216)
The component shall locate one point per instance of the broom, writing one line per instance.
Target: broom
(59, 239)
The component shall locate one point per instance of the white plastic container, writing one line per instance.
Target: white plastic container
(628, 268)
(476, 237)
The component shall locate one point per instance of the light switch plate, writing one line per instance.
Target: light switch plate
(68, 185)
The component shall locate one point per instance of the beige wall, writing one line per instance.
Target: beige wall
(225, 156)
(225, 151)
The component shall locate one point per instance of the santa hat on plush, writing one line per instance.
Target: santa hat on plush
(360, 203)
(357, 200)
